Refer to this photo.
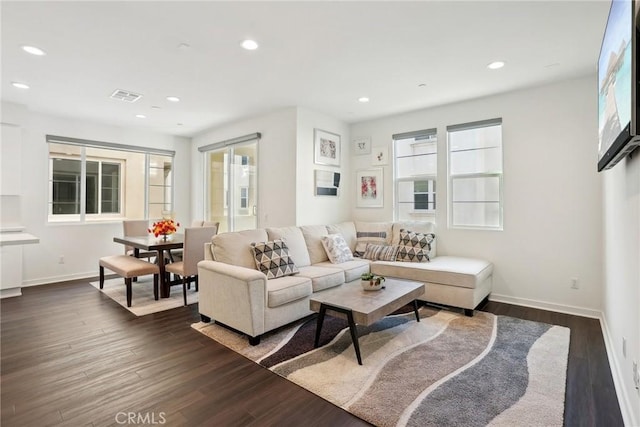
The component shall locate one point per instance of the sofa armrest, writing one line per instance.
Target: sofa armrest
(233, 295)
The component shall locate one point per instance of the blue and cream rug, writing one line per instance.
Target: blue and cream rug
(447, 370)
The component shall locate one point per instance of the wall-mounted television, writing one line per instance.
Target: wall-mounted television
(618, 84)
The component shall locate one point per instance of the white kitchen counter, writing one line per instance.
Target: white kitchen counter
(7, 239)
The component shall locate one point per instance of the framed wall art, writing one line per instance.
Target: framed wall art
(326, 147)
(326, 183)
(380, 156)
(361, 146)
(370, 188)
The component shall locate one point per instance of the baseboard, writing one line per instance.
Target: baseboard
(56, 279)
(8, 293)
(624, 399)
(550, 306)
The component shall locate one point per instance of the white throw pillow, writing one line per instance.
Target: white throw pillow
(336, 248)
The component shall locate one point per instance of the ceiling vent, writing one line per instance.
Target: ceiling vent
(125, 95)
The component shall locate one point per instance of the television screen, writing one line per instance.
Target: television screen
(615, 73)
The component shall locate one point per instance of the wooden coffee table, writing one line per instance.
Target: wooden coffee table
(361, 307)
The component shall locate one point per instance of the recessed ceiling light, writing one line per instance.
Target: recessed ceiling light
(495, 65)
(422, 85)
(363, 99)
(155, 107)
(20, 85)
(173, 99)
(33, 50)
(141, 116)
(249, 44)
(179, 124)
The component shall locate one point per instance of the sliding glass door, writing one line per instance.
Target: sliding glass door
(232, 186)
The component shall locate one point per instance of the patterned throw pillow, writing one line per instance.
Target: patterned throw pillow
(378, 233)
(381, 252)
(414, 247)
(336, 248)
(272, 258)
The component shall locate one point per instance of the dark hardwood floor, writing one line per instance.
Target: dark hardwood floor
(72, 356)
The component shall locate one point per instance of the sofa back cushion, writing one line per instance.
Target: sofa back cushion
(378, 233)
(416, 227)
(294, 239)
(235, 247)
(313, 238)
(348, 231)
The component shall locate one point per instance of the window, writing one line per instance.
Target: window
(244, 197)
(424, 195)
(415, 157)
(475, 174)
(92, 180)
(231, 182)
(160, 184)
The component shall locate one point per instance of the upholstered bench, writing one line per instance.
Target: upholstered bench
(129, 267)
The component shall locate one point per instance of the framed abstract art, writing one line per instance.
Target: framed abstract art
(326, 147)
(370, 188)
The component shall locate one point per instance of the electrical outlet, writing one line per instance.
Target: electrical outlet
(624, 347)
(61, 259)
(574, 283)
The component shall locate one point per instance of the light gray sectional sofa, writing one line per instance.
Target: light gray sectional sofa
(233, 292)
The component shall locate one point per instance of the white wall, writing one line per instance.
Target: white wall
(552, 192)
(276, 165)
(312, 209)
(621, 295)
(80, 244)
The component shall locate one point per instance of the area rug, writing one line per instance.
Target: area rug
(447, 370)
(142, 302)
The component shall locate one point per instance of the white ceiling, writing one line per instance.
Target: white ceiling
(320, 55)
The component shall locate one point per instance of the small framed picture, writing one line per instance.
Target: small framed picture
(327, 183)
(380, 156)
(361, 146)
(326, 148)
(370, 188)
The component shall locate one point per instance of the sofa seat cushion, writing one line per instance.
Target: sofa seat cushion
(444, 270)
(352, 269)
(286, 289)
(322, 277)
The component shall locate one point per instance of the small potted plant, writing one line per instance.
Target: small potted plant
(371, 282)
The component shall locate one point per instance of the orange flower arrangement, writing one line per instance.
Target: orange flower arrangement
(164, 227)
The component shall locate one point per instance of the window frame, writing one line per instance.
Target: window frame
(397, 181)
(487, 174)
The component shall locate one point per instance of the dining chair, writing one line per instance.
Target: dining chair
(192, 253)
(136, 228)
(201, 223)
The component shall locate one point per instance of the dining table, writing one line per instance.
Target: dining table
(163, 249)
